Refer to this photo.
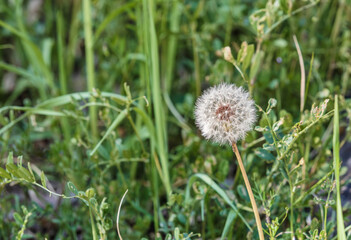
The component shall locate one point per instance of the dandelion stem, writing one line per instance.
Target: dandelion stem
(249, 190)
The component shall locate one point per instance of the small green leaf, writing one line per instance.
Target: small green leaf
(268, 136)
(264, 154)
(10, 158)
(108, 224)
(93, 202)
(43, 179)
(176, 233)
(248, 57)
(241, 190)
(4, 174)
(13, 169)
(25, 174)
(90, 192)
(82, 194)
(268, 147)
(72, 188)
(85, 201)
(104, 205)
(19, 160)
(283, 172)
(31, 171)
(272, 102)
(18, 218)
(261, 129)
(24, 210)
(256, 64)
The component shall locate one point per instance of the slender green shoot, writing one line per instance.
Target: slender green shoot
(158, 108)
(336, 155)
(89, 58)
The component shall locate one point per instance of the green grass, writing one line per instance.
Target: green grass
(97, 98)
(336, 154)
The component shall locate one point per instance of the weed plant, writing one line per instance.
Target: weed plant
(97, 98)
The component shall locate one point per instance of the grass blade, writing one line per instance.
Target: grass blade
(111, 16)
(336, 155)
(158, 108)
(217, 189)
(114, 124)
(303, 75)
(89, 57)
(230, 219)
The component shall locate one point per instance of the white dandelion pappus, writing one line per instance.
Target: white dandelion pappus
(225, 113)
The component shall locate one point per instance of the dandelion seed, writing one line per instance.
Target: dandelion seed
(225, 113)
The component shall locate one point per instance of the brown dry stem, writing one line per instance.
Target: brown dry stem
(249, 190)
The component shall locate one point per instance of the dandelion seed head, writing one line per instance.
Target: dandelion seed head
(225, 113)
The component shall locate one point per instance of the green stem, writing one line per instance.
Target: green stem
(172, 43)
(160, 121)
(90, 64)
(60, 55)
(326, 209)
(291, 208)
(145, 84)
(274, 136)
(62, 75)
(336, 156)
(196, 61)
(93, 229)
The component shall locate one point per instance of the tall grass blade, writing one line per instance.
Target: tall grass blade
(303, 75)
(336, 155)
(145, 85)
(228, 223)
(60, 54)
(157, 101)
(89, 57)
(172, 43)
(62, 71)
(309, 77)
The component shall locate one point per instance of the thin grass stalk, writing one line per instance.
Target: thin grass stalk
(334, 34)
(326, 211)
(89, 58)
(336, 156)
(73, 36)
(229, 25)
(145, 84)
(60, 53)
(196, 60)
(156, 94)
(172, 43)
(291, 208)
(303, 75)
(62, 72)
(92, 222)
(249, 190)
